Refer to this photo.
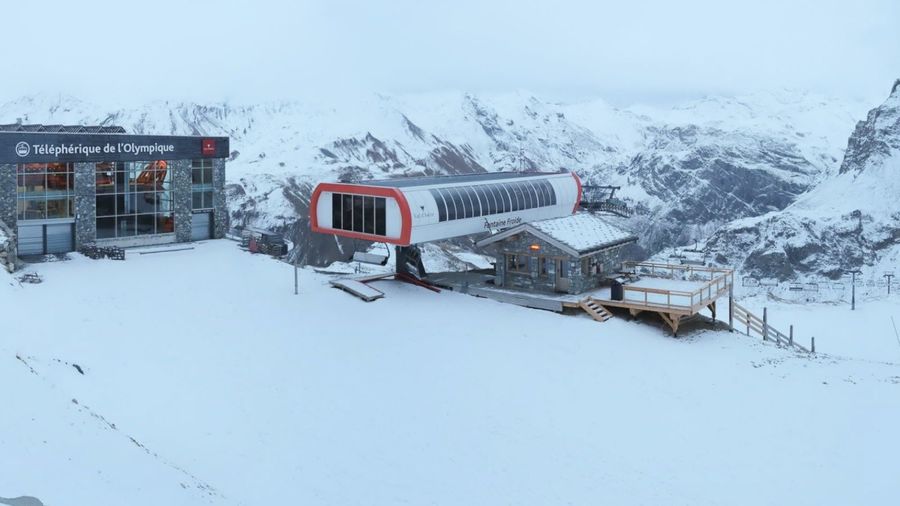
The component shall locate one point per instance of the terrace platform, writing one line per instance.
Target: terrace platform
(675, 292)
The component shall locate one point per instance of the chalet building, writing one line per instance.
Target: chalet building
(573, 254)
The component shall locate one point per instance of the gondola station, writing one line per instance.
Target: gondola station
(548, 254)
(66, 187)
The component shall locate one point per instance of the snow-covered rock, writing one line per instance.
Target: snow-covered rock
(850, 221)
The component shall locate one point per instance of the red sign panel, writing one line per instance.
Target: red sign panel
(208, 147)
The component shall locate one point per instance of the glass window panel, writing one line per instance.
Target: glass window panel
(208, 199)
(506, 196)
(336, 210)
(347, 209)
(496, 204)
(466, 201)
(196, 176)
(197, 200)
(58, 208)
(106, 228)
(35, 209)
(146, 224)
(369, 215)
(207, 175)
(125, 226)
(145, 203)
(106, 205)
(165, 223)
(380, 216)
(481, 208)
(441, 205)
(535, 198)
(451, 205)
(20, 209)
(357, 213)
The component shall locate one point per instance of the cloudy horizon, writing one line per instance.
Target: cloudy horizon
(648, 51)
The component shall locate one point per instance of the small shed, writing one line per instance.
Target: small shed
(573, 254)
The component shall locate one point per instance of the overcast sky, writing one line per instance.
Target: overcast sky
(629, 50)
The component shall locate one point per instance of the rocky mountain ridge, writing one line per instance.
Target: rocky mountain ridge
(687, 170)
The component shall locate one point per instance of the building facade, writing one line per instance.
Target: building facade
(64, 187)
(574, 254)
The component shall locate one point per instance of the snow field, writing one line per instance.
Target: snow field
(208, 359)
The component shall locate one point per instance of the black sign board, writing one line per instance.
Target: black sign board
(29, 147)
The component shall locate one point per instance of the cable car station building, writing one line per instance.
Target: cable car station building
(64, 187)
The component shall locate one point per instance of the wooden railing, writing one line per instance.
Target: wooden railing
(719, 282)
(761, 327)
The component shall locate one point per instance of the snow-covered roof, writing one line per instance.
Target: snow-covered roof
(578, 234)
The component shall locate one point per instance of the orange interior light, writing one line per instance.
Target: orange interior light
(535, 247)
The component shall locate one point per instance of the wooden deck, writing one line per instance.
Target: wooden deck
(675, 292)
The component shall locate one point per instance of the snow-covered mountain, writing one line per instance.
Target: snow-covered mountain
(688, 169)
(850, 221)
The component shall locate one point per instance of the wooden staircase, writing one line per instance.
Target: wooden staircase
(597, 312)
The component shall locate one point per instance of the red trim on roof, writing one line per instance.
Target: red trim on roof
(578, 198)
(372, 191)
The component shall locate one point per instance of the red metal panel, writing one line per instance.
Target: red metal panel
(578, 198)
(372, 191)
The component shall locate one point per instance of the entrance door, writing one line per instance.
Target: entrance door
(60, 238)
(562, 275)
(201, 226)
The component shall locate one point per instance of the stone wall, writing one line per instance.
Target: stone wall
(8, 256)
(8, 195)
(181, 184)
(85, 204)
(579, 280)
(220, 208)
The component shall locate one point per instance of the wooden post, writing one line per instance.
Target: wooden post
(765, 328)
(813, 347)
(791, 336)
(731, 307)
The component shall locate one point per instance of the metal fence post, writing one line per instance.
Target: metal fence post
(813, 347)
(791, 336)
(765, 328)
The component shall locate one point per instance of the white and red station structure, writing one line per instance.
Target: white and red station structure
(417, 210)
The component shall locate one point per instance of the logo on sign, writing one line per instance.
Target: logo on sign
(23, 149)
(208, 147)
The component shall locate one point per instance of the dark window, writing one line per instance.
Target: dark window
(518, 198)
(380, 221)
(441, 205)
(450, 203)
(535, 195)
(347, 211)
(482, 201)
(468, 208)
(357, 213)
(529, 196)
(336, 210)
(369, 215)
(517, 263)
(458, 203)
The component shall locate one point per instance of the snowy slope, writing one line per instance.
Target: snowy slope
(419, 398)
(687, 169)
